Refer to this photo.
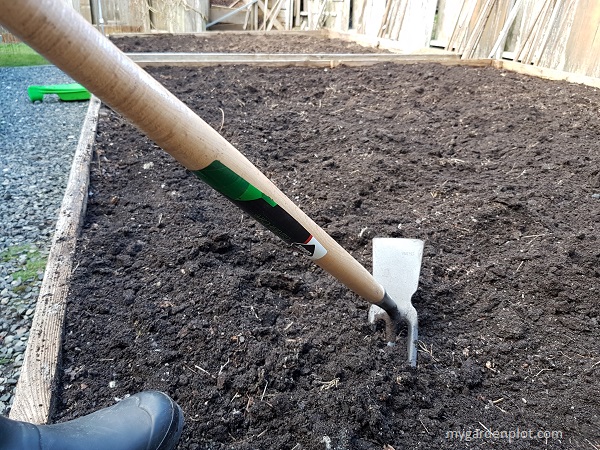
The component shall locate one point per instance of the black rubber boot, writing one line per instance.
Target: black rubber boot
(145, 421)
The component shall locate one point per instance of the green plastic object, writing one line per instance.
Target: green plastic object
(66, 92)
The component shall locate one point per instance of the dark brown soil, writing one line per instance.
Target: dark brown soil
(239, 43)
(175, 289)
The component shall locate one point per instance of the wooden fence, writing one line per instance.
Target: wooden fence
(142, 16)
(556, 34)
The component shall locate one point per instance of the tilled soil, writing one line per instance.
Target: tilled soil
(239, 43)
(175, 289)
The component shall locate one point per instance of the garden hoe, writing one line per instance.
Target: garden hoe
(397, 265)
(60, 34)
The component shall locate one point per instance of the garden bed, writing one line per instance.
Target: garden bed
(175, 289)
(257, 42)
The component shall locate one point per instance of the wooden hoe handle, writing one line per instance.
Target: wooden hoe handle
(61, 35)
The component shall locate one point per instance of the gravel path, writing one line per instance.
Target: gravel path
(37, 144)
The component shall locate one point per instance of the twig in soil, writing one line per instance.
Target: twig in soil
(223, 366)
(251, 309)
(237, 395)
(326, 385)
(511, 169)
(484, 427)
(249, 403)
(424, 426)
(595, 364)
(262, 433)
(521, 174)
(519, 266)
(222, 119)
(530, 243)
(423, 348)
(542, 370)
(534, 236)
(490, 366)
(99, 153)
(461, 228)
(595, 446)
(159, 220)
(189, 368)
(204, 370)
(495, 402)
(295, 446)
(264, 391)
(435, 193)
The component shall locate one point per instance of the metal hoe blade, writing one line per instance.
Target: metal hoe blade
(397, 265)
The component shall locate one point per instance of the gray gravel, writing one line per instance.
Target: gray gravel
(37, 144)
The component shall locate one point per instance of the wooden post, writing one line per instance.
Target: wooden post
(385, 19)
(498, 48)
(557, 42)
(255, 16)
(447, 17)
(461, 30)
(549, 27)
(297, 10)
(273, 15)
(399, 20)
(525, 44)
(478, 30)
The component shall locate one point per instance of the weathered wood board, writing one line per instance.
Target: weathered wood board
(38, 381)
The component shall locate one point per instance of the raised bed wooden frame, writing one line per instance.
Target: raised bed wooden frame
(38, 382)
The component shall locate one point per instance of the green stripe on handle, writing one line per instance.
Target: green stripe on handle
(230, 184)
(260, 206)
